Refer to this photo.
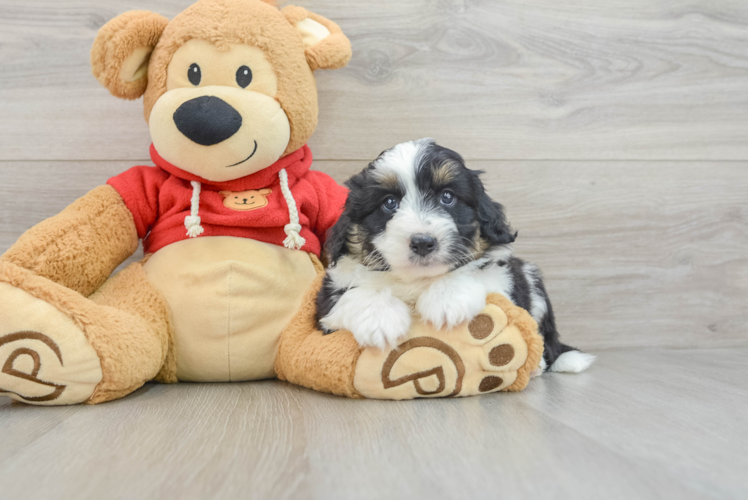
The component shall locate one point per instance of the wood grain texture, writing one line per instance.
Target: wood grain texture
(640, 424)
(509, 79)
(645, 254)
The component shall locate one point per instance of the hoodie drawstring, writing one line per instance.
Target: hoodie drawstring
(192, 221)
(293, 240)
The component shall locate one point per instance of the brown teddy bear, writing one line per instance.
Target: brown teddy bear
(233, 222)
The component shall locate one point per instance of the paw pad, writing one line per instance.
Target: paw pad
(501, 355)
(490, 383)
(481, 326)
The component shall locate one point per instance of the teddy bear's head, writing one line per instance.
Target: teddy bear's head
(228, 84)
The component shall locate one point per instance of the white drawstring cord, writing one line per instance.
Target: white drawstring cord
(192, 221)
(293, 240)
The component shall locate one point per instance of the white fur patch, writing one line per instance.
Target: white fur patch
(452, 300)
(403, 161)
(375, 318)
(496, 279)
(572, 362)
(538, 305)
(540, 369)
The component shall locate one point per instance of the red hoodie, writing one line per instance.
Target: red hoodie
(251, 207)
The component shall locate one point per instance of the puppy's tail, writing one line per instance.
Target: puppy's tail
(572, 360)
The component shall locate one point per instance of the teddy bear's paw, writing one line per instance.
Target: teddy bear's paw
(45, 359)
(486, 354)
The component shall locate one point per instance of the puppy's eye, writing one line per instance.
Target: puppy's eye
(390, 204)
(447, 198)
(194, 74)
(243, 76)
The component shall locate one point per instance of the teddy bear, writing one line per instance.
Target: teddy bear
(233, 223)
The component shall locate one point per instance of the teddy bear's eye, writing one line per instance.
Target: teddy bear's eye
(243, 76)
(194, 74)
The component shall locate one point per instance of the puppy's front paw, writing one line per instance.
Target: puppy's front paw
(375, 318)
(451, 301)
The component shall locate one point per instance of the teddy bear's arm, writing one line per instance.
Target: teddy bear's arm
(81, 246)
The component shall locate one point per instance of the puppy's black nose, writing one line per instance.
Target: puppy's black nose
(207, 120)
(422, 244)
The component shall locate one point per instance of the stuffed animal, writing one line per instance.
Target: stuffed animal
(233, 222)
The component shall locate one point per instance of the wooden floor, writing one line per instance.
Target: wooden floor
(641, 424)
(615, 132)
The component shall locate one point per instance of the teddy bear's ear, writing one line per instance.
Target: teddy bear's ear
(265, 191)
(326, 47)
(122, 49)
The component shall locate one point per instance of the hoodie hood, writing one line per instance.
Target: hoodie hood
(296, 165)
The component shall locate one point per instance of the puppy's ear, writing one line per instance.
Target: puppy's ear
(325, 45)
(494, 227)
(337, 239)
(122, 49)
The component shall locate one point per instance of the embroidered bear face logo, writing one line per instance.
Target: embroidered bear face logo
(246, 200)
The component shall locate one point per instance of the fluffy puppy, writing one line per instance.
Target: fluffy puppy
(420, 234)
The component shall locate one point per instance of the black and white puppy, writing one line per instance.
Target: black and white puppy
(419, 233)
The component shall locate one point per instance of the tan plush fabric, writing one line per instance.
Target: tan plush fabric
(325, 363)
(230, 300)
(264, 123)
(45, 358)
(130, 291)
(128, 348)
(132, 33)
(528, 328)
(81, 246)
(225, 22)
(333, 52)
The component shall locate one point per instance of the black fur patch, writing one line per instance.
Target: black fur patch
(326, 300)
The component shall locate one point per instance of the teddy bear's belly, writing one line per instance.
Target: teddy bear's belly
(230, 300)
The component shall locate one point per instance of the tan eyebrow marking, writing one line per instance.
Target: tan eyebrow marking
(445, 173)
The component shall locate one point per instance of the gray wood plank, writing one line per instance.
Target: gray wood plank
(640, 424)
(509, 79)
(634, 254)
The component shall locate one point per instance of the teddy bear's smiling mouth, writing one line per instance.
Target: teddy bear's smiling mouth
(245, 159)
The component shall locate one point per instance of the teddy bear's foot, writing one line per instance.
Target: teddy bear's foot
(496, 351)
(58, 347)
(45, 358)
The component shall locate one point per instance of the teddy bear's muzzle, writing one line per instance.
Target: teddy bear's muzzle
(207, 120)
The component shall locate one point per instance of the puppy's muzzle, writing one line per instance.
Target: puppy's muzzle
(422, 244)
(207, 120)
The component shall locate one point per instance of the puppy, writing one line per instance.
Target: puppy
(420, 234)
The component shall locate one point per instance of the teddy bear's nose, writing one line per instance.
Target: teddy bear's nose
(207, 120)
